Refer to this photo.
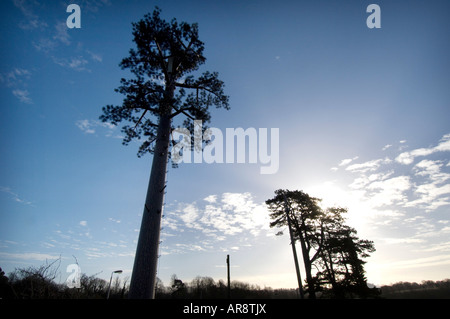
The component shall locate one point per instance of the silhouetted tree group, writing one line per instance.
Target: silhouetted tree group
(332, 253)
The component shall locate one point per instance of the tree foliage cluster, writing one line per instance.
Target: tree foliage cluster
(333, 255)
(166, 55)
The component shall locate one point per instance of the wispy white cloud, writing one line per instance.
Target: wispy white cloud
(94, 5)
(44, 45)
(91, 126)
(16, 77)
(430, 197)
(395, 241)
(441, 247)
(28, 256)
(348, 161)
(190, 215)
(381, 185)
(368, 166)
(86, 126)
(32, 20)
(220, 218)
(389, 191)
(403, 202)
(408, 157)
(23, 96)
(364, 180)
(211, 199)
(95, 56)
(191, 247)
(438, 260)
(17, 80)
(87, 241)
(75, 63)
(434, 191)
(50, 41)
(61, 33)
(430, 168)
(14, 196)
(343, 162)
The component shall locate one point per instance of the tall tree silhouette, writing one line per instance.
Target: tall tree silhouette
(305, 216)
(162, 88)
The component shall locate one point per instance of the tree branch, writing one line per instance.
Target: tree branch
(139, 121)
(187, 48)
(144, 108)
(198, 87)
(161, 56)
(182, 111)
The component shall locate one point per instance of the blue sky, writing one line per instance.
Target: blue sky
(363, 116)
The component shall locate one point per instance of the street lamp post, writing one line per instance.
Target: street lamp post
(109, 288)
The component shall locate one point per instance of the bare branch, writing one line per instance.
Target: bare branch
(198, 87)
(146, 108)
(161, 56)
(139, 121)
(188, 48)
(183, 110)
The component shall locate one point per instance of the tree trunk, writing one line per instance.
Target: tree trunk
(294, 251)
(306, 259)
(308, 268)
(336, 288)
(142, 285)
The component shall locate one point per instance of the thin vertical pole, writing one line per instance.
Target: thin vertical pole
(228, 276)
(109, 287)
(294, 251)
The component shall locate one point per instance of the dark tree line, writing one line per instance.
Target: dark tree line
(39, 283)
(427, 289)
(333, 255)
(206, 288)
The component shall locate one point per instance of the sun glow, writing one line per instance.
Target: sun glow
(333, 195)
